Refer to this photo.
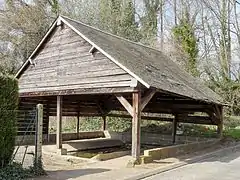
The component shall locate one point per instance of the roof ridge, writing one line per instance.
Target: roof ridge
(108, 33)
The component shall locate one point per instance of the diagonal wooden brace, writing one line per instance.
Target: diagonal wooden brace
(125, 104)
(147, 97)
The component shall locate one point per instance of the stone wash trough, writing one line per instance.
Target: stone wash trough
(104, 145)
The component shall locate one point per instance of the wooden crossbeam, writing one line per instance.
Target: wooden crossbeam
(145, 100)
(188, 119)
(125, 104)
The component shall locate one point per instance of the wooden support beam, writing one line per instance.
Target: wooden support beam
(125, 104)
(136, 120)
(104, 126)
(39, 133)
(174, 128)
(78, 124)
(59, 122)
(220, 123)
(102, 111)
(103, 90)
(145, 100)
(47, 121)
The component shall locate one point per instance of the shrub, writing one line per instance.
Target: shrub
(231, 121)
(15, 171)
(8, 115)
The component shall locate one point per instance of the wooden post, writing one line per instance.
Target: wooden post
(104, 123)
(39, 131)
(78, 124)
(47, 120)
(136, 120)
(220, 124)
(59, 122)
(174, 128)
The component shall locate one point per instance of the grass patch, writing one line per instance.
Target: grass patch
(232, 133)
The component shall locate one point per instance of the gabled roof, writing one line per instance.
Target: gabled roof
(149, 66)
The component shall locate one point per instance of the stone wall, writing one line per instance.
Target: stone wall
(175, 150)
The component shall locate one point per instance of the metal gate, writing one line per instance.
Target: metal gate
(28, 147)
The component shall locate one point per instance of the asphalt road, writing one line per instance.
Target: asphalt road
(222, 167)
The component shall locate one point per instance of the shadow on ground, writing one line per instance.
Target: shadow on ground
(71, 174)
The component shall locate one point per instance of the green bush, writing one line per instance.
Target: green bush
(8, 115)
(118, 124)
(15, 171)
(231, 121)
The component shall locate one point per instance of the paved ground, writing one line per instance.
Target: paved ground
(224, 167)
(73, 168)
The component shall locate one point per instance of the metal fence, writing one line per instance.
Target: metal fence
(28, 143)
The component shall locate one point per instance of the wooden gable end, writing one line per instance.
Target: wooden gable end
(65, 63)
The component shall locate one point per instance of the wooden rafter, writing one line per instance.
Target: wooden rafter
(145, 100)
(125, 104)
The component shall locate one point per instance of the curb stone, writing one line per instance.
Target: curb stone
(183, 163)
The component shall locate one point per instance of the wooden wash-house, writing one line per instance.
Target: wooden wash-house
(78, 70)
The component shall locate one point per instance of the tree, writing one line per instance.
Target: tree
(149, 21)
(185, 37)
(22, 27)
(118, 17)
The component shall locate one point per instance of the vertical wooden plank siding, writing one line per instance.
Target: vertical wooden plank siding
(136, 120)
(59, 122)
(174, 129)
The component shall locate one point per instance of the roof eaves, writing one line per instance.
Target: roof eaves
(104, 53)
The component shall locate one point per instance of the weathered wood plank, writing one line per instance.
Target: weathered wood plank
(188, 119)
(59, 122)
(148, 96)
(65, 64)
(136, 120)
(174, 128)
(79, 88)
(85, 73)
(125, 104)
(100, 90)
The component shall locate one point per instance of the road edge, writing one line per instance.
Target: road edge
(182, 163)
